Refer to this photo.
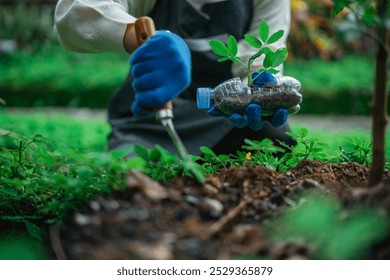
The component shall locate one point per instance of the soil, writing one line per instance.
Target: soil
(224, 218)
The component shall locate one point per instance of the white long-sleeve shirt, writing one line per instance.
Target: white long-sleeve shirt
(96, 26)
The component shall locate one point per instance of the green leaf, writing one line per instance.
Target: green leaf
(253, 41)
(142, 152)
(274, 59)
(223, 59)
(303, 132)
(155, 155)
(219, 48)
(263, 31)
(275, 37)
(232, 46)
(339, 5)
(273, 71)
(370, 17)
(235, 59)
(34, 230)
(280, 57)
(269, 59)
(207, 151)
(135, 163)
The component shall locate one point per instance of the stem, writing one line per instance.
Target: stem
(379, 108)
(242, 63)
(250, 62)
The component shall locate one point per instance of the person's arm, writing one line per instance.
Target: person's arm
(278, 15)
(96, 26)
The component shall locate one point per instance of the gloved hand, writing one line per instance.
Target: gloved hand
(161, 68)
(252, 117)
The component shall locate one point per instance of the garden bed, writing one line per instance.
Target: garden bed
(235, 214)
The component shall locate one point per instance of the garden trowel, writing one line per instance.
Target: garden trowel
(144, 28)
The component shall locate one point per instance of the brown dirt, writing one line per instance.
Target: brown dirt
(224, 218)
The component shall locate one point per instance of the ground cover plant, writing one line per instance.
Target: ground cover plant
(42, 182)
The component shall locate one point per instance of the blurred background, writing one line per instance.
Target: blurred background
(333, 61)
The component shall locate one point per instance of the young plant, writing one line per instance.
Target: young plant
(361, 152)
(308, 147)
(272, 59)
(211, 162)
(160, 164)
(267, 154)
(263, 152)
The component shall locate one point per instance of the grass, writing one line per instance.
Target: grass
(66, 131)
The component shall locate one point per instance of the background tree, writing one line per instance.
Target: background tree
(374, 15)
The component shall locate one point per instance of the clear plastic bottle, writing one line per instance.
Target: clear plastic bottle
(232, 97)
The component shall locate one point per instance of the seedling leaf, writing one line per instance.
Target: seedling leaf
(142, 152)
(232, 46)
(253, 41)
(269, 60)
(219, 48)
(155, 155)
(273, 71)
(280, 57)
(263, 31)
(207, 151)
(275, 37)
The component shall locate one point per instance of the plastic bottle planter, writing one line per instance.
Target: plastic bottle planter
(231, 97)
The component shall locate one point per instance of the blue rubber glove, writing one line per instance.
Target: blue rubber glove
(265, 78)
(252, 117)
(161, 68)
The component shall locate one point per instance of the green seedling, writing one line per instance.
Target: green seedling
(211, 162)
(361, 152)
(272, 59)
(160, 164)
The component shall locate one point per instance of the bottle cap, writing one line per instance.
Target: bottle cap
(203, 96)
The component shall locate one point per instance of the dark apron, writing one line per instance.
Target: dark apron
(195, 127)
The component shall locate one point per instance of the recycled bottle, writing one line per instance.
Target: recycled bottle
(232, 97)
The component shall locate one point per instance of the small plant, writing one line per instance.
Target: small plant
(272, 59)
(263, 152)
(361, 153)
(211, 162)
(160, 164)
(38, 184)
(313, 148)
(267, 154)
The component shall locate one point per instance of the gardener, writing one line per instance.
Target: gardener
(162, 67)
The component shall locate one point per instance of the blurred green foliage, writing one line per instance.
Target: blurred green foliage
(56, 77)
(30, 25)
(16, 245)
(333, 232)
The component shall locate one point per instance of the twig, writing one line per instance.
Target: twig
(231, 215)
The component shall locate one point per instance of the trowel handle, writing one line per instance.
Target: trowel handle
(144, 28)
